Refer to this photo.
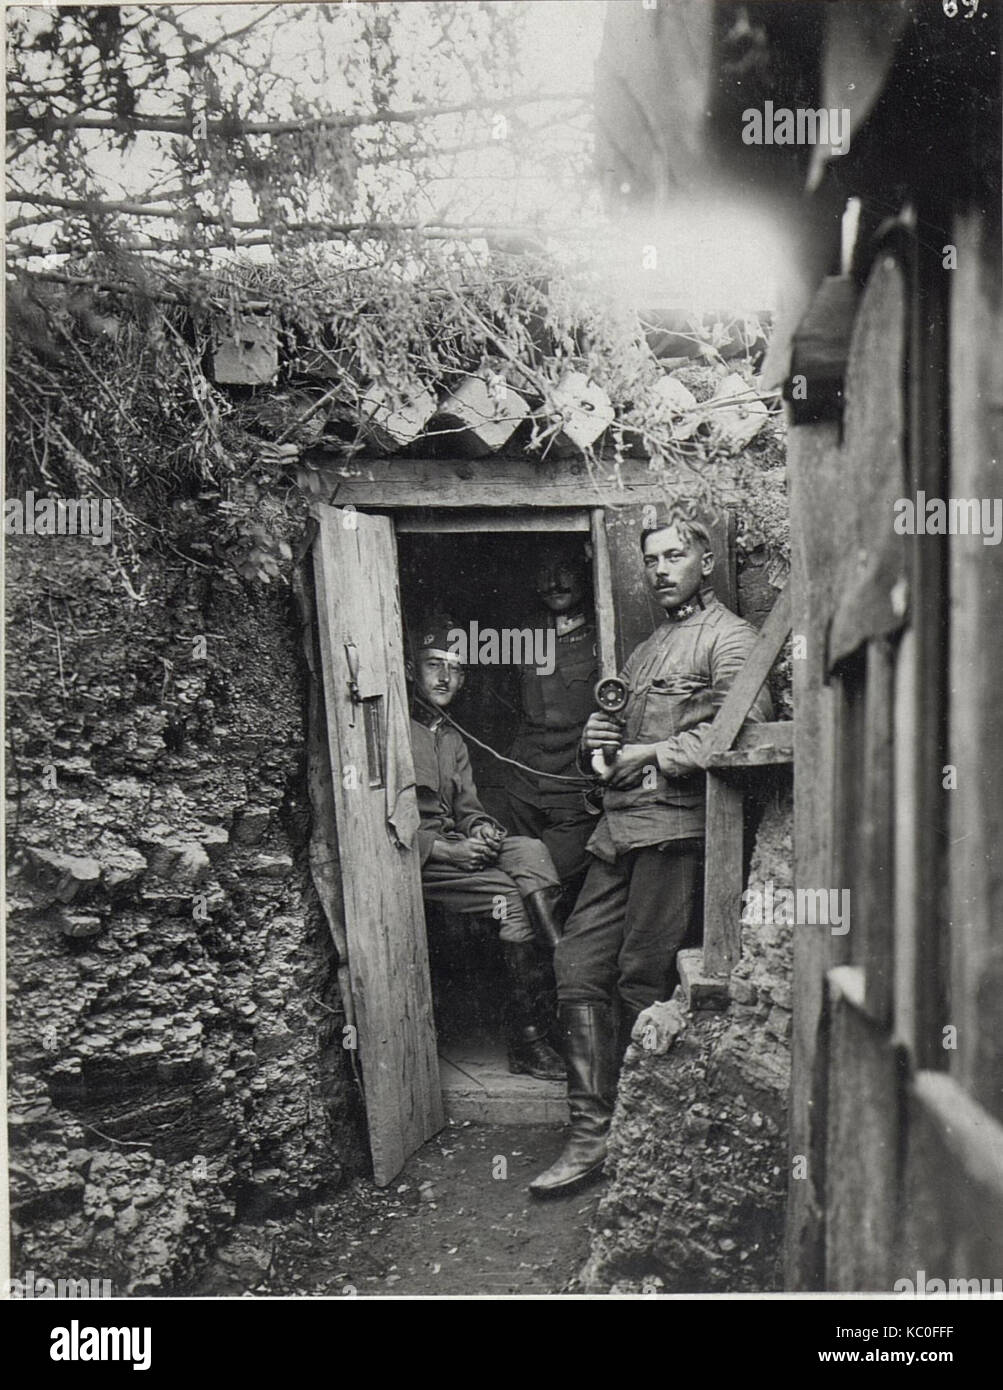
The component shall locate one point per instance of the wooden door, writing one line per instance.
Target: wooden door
(359, 623)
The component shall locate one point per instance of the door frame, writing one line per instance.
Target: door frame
(522, 509)
(528, 518)
(523, 518)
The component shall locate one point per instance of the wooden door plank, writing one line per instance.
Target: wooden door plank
(974, 811)
(325, 867)
(932, 617)
(907, 906)
(847, 810)
(862, 1142)
(873, 917)
(953, 1152)
(816, 495)
(358, 604)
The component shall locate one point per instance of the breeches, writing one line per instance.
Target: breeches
(630, 919)
(522, 867)
(563, 829)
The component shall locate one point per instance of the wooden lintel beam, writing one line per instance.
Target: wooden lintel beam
(494, 482)
(478, 520)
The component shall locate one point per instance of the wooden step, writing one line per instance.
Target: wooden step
(478, 1086)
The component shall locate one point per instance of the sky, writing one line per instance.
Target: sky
(319, 62)
(699, 258)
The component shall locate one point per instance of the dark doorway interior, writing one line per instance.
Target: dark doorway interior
(487, 577)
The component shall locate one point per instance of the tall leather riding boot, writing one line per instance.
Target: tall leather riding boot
(529, 1052)
(545, 908)
(590, 1056)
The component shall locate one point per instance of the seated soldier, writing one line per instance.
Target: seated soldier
(470, 864)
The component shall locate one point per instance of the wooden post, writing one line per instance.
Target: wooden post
(723, 879)
(603, 585)
(722, 931)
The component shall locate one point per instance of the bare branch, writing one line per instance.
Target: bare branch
(326, 230)
(196, 55)
(231, 127)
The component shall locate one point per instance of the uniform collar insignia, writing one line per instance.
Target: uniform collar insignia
(684, 611)
(565, 625)
(696, 604)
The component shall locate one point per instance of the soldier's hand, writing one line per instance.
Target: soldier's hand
(602, 731)
(471, 854)
(492, 835)
(631, 766)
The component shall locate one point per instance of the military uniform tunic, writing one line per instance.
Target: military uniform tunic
(641, 901)
(450, 809)
(554, 710)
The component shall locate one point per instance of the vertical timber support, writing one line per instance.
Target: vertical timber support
(722, 938)
(603, 586)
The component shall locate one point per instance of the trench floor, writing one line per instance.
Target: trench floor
(457, 1220)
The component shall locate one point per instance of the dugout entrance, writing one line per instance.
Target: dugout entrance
(385, 545)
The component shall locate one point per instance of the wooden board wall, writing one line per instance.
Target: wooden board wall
(975, 704)
(887, 1119)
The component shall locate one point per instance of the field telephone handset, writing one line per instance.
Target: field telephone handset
(610, 697)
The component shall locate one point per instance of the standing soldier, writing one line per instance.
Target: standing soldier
(554, 709)
(468, 862)
(641, 901)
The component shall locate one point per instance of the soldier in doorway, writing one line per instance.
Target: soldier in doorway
(642, 900)
(470, 864)
(553, 711)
